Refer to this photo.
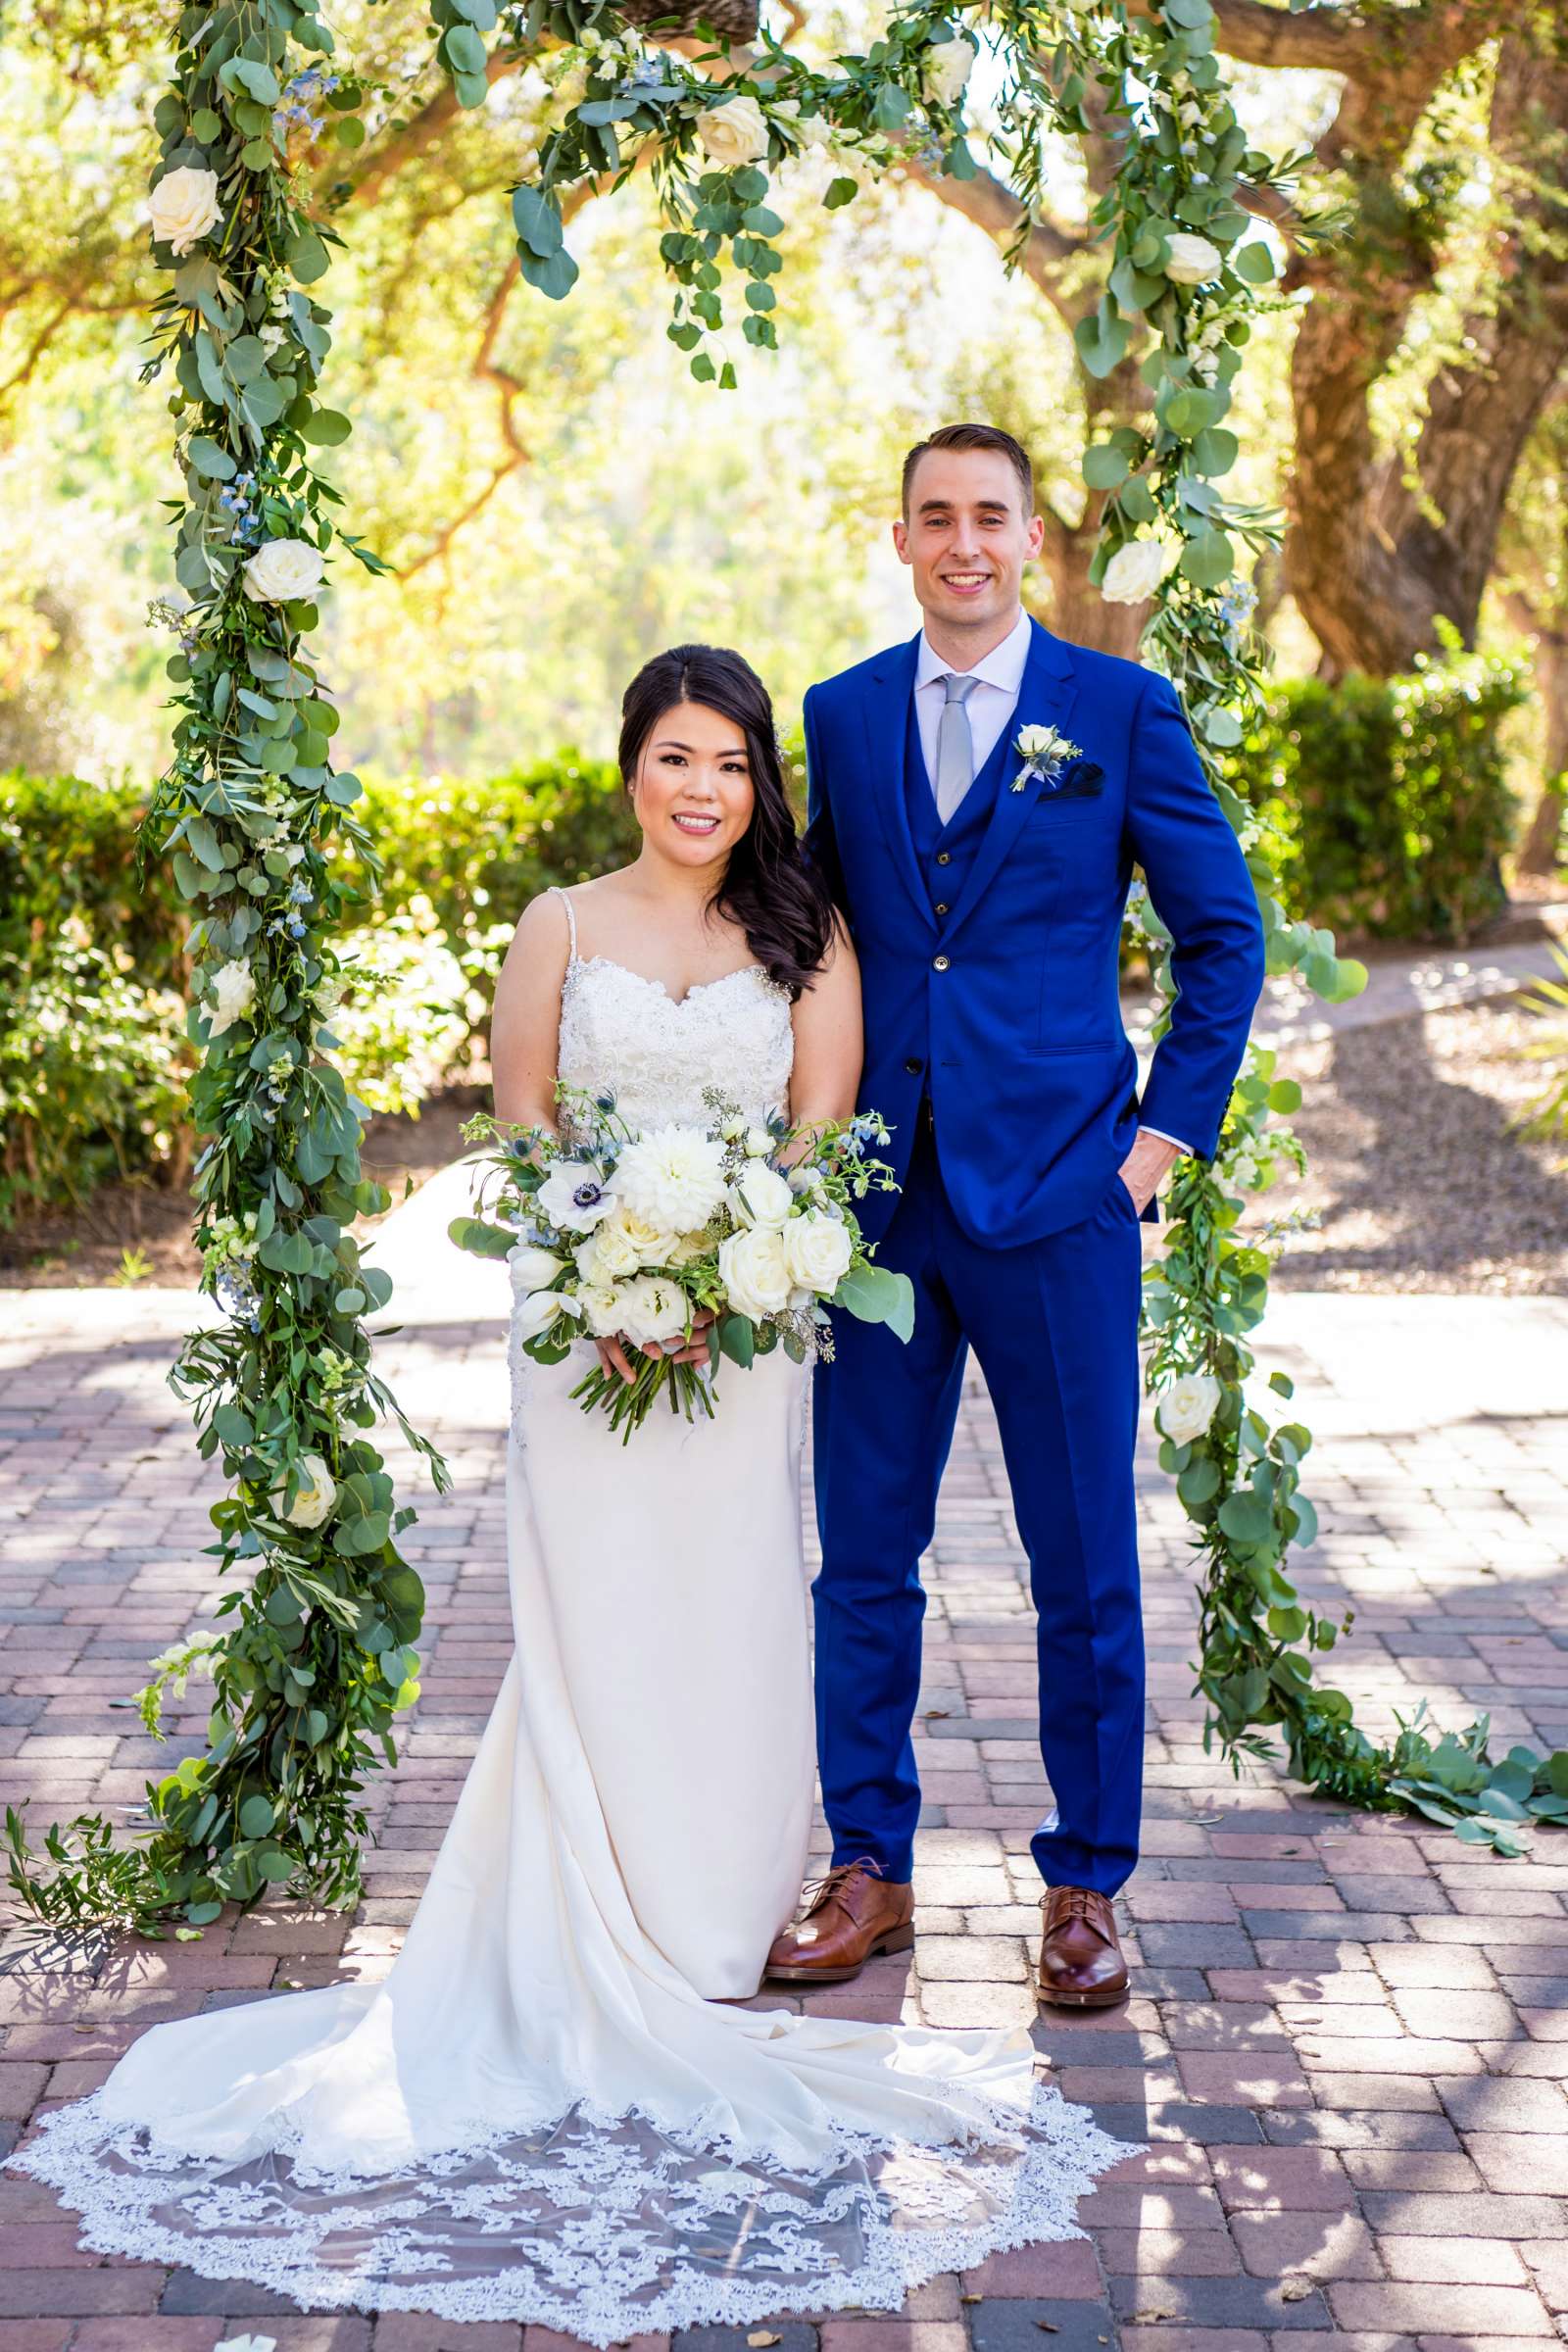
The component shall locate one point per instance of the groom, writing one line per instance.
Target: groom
(985, 895)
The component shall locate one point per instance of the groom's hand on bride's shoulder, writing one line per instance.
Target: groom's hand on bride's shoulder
(1146, 1166)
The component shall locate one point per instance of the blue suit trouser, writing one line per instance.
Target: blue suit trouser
(1054, 1327)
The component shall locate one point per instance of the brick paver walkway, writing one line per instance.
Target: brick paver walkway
(1348, 2038)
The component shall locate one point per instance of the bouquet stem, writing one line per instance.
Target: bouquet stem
(630, 1402)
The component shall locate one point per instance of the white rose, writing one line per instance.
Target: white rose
(624, 1243)
(758, 1143)
(673, 1177)
(1134, 572)
(601, 1309)
(655, 1245)
(762, 1197)
(1037, 742)
(575, 1197)
(183, 207)
(1187, 1406)
(585, 1256)
(817, 1250)
(614, 1253)
(233, 993)
(282, 570)
(733, 134)
(317, 1495)
(753, 1270)
(532, 1269)
(945, 70)
(535, 1312)
(651, 1308)
(1192, 260)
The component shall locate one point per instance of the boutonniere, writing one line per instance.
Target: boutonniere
(1044, 751)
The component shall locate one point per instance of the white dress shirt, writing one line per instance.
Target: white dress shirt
(999, 680)
(993, 703)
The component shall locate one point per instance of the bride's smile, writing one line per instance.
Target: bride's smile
(693, 789)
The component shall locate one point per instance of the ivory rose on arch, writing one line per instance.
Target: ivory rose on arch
(183, 207)
(945, 70)
(1188, 1406)
(283, 571)
(733, 134)
(317, 1493)
(1134, 571)
(1192, 260)
(233, 994)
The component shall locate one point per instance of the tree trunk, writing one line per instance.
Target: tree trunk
(1538, 851)
(1373, 562)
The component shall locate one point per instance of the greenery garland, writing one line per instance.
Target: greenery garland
(315, 1659)
(320, 1658)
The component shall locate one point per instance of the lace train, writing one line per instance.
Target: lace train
(624, 2152)
(601, 2227)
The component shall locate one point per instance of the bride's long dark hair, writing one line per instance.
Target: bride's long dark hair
(779, 901)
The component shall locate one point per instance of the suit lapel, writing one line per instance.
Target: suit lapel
(887, 712)
(1044, 699)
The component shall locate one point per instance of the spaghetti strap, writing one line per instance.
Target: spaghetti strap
(564, 896)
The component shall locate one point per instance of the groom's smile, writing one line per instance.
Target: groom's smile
(966, 536)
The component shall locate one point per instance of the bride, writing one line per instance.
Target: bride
(555, 2108)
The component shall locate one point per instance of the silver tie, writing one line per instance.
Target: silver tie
(954, 745)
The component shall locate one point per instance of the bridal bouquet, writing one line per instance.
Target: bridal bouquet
(617, 1233)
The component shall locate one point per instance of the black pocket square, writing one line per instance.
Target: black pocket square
(1079, 780)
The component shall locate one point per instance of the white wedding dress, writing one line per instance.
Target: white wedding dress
(544, 2113)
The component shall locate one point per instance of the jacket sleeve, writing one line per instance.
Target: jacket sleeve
(822, 842)
(1204, 895)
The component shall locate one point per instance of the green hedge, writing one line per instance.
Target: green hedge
(92, 967)
(1388, 798)
(1389, 802)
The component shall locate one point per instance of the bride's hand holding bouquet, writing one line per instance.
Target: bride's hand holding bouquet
(681, 1245)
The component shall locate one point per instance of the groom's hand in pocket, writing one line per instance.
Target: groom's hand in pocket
(1146, 1166)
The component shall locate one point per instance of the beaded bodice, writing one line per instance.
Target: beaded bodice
(625, 1035)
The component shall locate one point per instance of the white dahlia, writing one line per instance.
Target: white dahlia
(672, 1178)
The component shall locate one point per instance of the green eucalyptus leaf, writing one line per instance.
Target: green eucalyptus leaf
(554, 274)
(1208, 560)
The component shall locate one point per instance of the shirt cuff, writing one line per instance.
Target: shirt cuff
(1186, 1150)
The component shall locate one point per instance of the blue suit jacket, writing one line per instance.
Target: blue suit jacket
(1018, 1037)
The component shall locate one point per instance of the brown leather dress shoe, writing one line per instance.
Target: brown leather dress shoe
(1081, 1966)
(844, 1918)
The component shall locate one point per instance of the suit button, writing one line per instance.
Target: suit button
(941, 965)
(942, 910)
(944, 857)
(913, 1067)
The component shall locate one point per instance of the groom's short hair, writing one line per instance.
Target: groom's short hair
(974, 436)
